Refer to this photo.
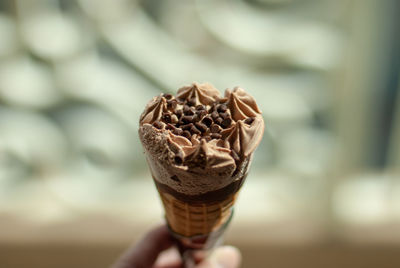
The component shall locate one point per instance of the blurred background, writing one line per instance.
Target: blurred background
(324, 190)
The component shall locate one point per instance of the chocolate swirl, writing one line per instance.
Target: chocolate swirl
(241, 104)
(244, 138)
(206, 155)
(199, 93)
(153, 110)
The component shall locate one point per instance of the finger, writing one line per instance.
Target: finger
(223, 257)
(207, 264)
(169, 258)
(145, 253)
(228, 257)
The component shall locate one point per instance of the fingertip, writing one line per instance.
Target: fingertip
(223, 257)
(227, 257)
(168, 258)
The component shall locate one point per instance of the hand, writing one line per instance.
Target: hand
(156, 250)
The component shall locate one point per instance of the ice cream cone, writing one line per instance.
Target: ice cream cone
(199, 147)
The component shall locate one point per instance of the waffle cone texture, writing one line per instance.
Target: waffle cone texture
(191, 219)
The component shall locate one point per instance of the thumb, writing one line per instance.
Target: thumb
(223, 257)
(146, 251)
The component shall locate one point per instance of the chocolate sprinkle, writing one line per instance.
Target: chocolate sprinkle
(218, 120)
(196, 118)
(187, 126)
(186, 134)
(201, 113)
(166, 118)
(249, 120)
(178, 158)
(179, 113)
(215, 128)
(224, 115)
(226, 122)
(194, 130)
(167, 96)
(177, 131)
(158, 124)
(214, 115)
(187, 119)
(170, 127)
(200, 107)
(187, 110)
(222, 108)
(207, 121)
(200, 126)
(171, 104)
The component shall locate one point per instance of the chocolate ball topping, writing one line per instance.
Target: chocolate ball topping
(188, 117)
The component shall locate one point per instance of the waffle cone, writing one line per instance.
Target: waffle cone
(190, 219)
